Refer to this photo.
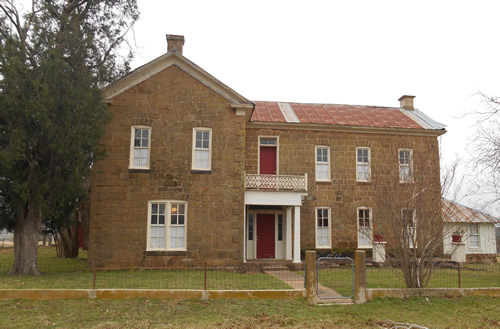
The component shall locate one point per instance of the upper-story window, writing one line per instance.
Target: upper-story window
(363, 164)
(405, 165)
(323, 232)
(202, 149)
(140, 146)
(167, 222)
(322, 163)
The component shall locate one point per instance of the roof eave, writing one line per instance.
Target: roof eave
(323, 127)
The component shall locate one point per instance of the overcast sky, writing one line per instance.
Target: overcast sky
(342, 52)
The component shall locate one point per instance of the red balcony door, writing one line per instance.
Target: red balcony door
(265, 235)
(268, 160)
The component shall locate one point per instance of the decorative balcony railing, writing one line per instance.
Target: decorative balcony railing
(276, 182)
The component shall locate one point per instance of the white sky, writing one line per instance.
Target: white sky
(341, 52)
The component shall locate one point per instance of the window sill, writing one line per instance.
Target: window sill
(323, 181)
(137, 170)
(165, 253)
(360, 182)
(198, 172)
(365, 247)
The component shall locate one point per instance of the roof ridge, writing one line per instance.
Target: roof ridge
(354, 105)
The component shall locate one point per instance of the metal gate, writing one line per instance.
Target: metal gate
(335, 277)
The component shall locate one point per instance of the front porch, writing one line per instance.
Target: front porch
(272, 225)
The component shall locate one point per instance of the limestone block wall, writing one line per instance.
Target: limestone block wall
(342, 194)
(172, 103)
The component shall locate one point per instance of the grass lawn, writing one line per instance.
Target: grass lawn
(72, 273)
(471, 276)
(466, 312)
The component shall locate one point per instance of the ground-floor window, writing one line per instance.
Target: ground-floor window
(364, 227)
(474, 236)
(167, 225)
(408, 218)
(323, 228)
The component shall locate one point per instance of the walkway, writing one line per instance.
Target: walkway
(296, 281)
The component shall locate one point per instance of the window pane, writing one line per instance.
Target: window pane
(161, 220)
(154, 219)
(174, 209)
(145, 133)
(162, 208)
(205, 144)
(181, 208)
(173, 219)
(199, 136)
(154, 208)
(206, 135)
(181, 220)
(137, 134)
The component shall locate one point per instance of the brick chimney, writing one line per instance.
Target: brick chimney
(406, 102)
(175, 42)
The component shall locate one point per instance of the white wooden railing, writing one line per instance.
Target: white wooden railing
(276, 182)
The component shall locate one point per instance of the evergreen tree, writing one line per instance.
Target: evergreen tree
(53, 61)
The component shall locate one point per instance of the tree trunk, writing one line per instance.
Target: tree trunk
(65, 242)
(69, 241)
(26, 235)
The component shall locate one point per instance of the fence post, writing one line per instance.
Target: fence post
(205, 276)
(93, 275)
(311, 276)
(458, 267)
(359, 276)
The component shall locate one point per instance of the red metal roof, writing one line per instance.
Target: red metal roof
(333, 114)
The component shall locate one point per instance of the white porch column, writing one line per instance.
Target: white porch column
(296, 235)
(288, 254)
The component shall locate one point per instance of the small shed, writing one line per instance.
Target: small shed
(476, 229)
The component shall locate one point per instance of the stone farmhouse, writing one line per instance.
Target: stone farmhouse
(197, 173)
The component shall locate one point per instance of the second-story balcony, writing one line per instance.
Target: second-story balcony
(276, 182)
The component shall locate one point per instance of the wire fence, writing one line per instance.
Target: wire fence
(63, 273)
(445, 274)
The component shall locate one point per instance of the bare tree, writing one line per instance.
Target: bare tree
(409, 210)
(484, 148)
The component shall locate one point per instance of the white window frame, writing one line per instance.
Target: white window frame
(132, 147)
(368, 179)
(202, 129)
(414, 219)
(329, 245)
(370, 219)
(316, 163)
(167, 225)
(471, 235)
(409, 178)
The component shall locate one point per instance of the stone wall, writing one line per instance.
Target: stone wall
(172, 103)
(343, 194)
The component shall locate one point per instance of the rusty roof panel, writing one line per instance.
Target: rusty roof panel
(337, 114)
(457, 213)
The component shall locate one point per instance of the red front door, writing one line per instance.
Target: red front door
(268, 160)
(265, 235)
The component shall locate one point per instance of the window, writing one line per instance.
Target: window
(280, 227)
(322, 163)
(408, 219)
(202, 149)
(323, 228)
(363, 164)
(474, 236)
(405, 165)
(139, 147)
(167, 225)
(250, 227)
(267, 141)
(364, 228)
